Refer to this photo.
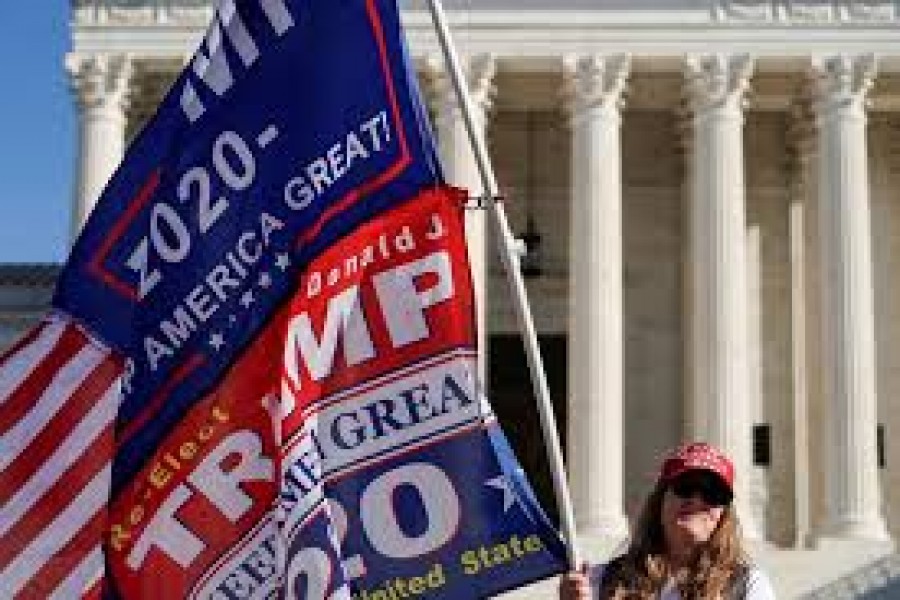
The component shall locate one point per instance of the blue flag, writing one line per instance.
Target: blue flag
(279, 275)
(294, 122)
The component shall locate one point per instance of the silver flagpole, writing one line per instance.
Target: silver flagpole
(510, 257)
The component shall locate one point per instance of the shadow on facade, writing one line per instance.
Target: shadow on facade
(513, 401)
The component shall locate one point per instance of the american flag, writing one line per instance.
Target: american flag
(59, 393)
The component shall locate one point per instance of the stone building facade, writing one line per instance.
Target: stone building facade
(25, 293)
(709, 189)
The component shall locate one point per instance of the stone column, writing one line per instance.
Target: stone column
(848, 323)
(802, 150)
(685, 129)
(595, 457)
(100, 84)
(716, 86)
(461, 169)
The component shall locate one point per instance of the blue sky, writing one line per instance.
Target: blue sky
(37, 132)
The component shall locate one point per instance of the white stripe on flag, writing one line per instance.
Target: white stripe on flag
(80, 438)
(64, 384)
(20, 365)
(81, 578)
(63, 528)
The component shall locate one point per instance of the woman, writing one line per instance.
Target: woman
(686, 545)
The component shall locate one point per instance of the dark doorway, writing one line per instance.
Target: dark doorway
(513, 401)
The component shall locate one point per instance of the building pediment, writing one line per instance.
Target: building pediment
(535, 32)
(635, 11)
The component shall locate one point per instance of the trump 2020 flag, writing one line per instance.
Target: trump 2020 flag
(385, 433)
(386, 477)
(182, 427)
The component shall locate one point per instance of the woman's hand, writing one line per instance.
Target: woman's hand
(575, 585)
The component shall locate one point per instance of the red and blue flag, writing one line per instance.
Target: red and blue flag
(258, 378)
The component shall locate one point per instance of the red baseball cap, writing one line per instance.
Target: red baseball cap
(698, 456)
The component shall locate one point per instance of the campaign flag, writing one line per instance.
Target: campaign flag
(386, 430)
(376, 471)
(295, 121)
(166, 432)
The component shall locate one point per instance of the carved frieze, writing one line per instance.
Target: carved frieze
(810, 11)
(131, 14)
(805, 11)
(142, 12)
(871, 10)
(746, 10)
(738, 11)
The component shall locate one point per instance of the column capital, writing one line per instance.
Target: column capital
(480, 71)
(842, 83)
(717, 82)
(100, 80)
(595, 81)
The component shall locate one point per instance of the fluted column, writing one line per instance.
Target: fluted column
(685, 130)
(848, 322)
(716, 86)
(801, 138)
(595, 457)
(100, 84)
(461, 169)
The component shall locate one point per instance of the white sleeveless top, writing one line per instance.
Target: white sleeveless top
(758, 585)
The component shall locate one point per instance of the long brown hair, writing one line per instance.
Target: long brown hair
(642, 572)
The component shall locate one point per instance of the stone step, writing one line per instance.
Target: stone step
(879, 580)
(831, 571)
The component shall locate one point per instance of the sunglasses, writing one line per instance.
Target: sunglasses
(708, 488)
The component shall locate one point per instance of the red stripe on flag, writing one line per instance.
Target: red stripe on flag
(60, 465)
(95, 592)
(23, 341)
(48, 440)
(48, 507)
(23, 398)
(66, 560)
